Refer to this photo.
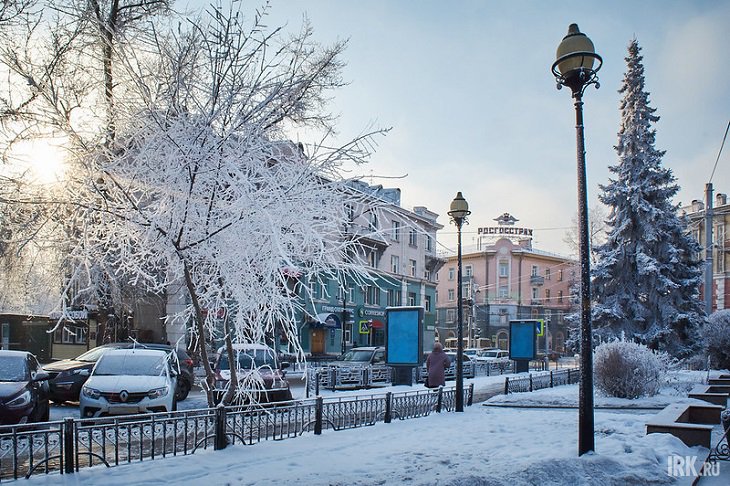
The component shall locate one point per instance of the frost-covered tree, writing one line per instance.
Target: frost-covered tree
(194, 188)
(646, 282)
(716, 336)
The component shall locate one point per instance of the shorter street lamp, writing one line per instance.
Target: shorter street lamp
(575, 67)
(459, 211)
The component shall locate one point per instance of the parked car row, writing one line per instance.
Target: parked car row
(67, 377)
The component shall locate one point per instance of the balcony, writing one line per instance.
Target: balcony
(536, 302)
(537, 280)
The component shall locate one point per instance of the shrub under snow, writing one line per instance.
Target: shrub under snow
(716, 334)
(625, 369)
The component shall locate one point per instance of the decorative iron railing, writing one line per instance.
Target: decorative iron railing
(68, 445)
(533, 382)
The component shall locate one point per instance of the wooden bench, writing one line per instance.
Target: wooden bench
(722, 380)
(689, 423)
(715, 394)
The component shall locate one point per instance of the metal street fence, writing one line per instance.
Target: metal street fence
(543, 380)
(66, 446)
(356, 376)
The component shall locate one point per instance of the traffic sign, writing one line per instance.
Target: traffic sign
(364, 327)
(540, 327)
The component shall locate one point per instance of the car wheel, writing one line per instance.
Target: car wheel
(182, 391)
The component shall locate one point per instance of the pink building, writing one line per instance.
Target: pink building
(505, 280)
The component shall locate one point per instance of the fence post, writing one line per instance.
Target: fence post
(506, 385)
(530, 381)
(318, 375)
(471, 395)
(68, 445)
(220, 442)
(333, 378)
(569, 383)
(439, 399)
(318, 408)
(551, 379)
(366, 377)
(388, 407)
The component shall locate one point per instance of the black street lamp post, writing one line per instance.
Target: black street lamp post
(575, 69)
(459, 211)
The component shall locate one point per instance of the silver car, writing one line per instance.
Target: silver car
(129, 381)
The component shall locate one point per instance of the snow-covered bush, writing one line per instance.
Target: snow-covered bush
(716, 335)
(625, 369)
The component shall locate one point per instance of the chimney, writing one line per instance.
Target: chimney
(720, 199)
(697, 206)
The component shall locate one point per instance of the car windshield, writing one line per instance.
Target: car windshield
(93, 355)
(490, 354)
(12, 368)
(249, 359)
(131, 364)
(357, 355)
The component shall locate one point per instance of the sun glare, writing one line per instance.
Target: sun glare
(44, 158)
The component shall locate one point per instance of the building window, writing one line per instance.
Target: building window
(548, 315)
(373, 221)
(373, 258)
(396, 231)
(351, 295)
(437, 276)
(394, 264)
(534, 271)
(413, 268)
(468, 269)
(411, 298)
(450, 315)
(452, 271)
(503, 269)
(560, 296)
(427, 275)
(70, 335)
(451, 295)
(547, 274)
(547, 294)
(503, 292)
(535, 293)
(372, 295)
(560, 317)
(390, 297)
(429, 243)
(560, 275)
(314, 289)
(413, 238)
(436, 295)
(427, 303)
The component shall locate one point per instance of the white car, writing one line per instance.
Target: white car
(492, 355)
(129, 381)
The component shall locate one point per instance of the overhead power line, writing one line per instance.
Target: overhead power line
(720, 152)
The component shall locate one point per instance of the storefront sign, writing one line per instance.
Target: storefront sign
(76, 315)
(504, 230)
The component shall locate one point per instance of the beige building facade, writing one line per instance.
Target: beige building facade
(506, 279)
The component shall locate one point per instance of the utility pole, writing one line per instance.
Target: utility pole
(708, 249)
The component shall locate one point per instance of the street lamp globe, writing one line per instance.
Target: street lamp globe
(575, 61)
(459, 209)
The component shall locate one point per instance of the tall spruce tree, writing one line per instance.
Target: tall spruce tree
(646, 282)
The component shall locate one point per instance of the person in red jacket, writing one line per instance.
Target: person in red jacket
(436, 365)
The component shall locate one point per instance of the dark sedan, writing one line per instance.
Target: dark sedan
(69, 375)
(23, 389)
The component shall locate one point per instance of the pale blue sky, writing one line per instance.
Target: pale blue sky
(467, 88)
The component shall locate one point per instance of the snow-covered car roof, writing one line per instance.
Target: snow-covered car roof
(244, 346)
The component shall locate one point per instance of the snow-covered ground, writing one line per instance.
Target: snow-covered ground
(488, 444)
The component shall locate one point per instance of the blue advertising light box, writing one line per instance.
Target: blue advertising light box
(522, 340)
(404, 336)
